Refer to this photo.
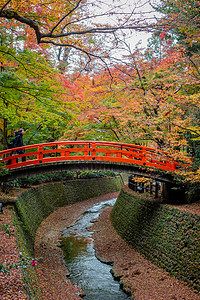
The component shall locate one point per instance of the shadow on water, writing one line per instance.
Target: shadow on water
(86, 271)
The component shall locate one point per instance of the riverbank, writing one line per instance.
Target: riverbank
(12, 286)
(145, 280)
(52, 273)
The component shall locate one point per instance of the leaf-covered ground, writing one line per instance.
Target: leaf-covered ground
(11, 285)
(146, 281)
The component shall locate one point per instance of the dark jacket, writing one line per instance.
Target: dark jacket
(19, 143)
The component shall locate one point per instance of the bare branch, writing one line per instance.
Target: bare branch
(95, 30)
(13, 15)
(59, 33)
(81, 50)
(186, 129)
(195, 66)
(69, 13)
(5, 5)
(98, 30)
(16, 59)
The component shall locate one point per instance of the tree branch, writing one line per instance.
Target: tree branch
(81, 50)
(69, 13)
(186, 129)
(193, 63)
(5, 5)
(8, 14)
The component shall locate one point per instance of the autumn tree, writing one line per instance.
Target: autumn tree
(35, 28)
(143, 104)
(181, 18)
(31, 93)
(153, 99)
(78, 25)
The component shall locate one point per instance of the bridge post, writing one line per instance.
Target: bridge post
(119, 154)
(171, 166)
(144, 156)
(86, 150)
(132, 184)
(156, 189)
(40, 153)
(13, 161)
(142, 186)
(93, 150)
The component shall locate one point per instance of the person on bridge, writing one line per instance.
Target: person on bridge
(12, 142)
(11, 145)
(19, 142)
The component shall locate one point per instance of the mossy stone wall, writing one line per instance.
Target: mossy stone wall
(168, 237)
(36, 204)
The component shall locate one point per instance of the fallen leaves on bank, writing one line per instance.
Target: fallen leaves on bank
(145, 280)
(11, 284)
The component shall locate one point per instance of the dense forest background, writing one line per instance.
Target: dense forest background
(68, 71)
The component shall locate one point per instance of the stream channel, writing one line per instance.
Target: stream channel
(86, 271)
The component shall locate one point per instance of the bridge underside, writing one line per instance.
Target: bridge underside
(86, 165)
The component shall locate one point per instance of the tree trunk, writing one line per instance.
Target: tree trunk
(5, 136)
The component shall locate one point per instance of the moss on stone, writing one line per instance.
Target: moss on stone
(36, 204)
(168, 237)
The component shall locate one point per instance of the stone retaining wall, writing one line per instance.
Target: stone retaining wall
(168, 237)
(36, 204)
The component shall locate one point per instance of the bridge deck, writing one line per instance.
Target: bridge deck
(88, 151)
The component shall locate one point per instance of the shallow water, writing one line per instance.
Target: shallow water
(86, 271)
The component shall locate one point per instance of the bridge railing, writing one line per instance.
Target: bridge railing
(87, 150)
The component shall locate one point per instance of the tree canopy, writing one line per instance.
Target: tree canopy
(77, 24)
(142, 96)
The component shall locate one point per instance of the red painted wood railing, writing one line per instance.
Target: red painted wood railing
(87, 151)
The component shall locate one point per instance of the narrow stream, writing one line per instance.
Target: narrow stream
(86, 271)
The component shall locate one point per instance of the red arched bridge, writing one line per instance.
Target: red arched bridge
(102, 153)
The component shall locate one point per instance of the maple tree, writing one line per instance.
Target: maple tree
(147, 103)
(148, 98)
(181, 18)
(78, 25)
(153, 100)
(31, 93)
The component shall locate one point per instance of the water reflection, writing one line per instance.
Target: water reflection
(73, 247)
(86, 271)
